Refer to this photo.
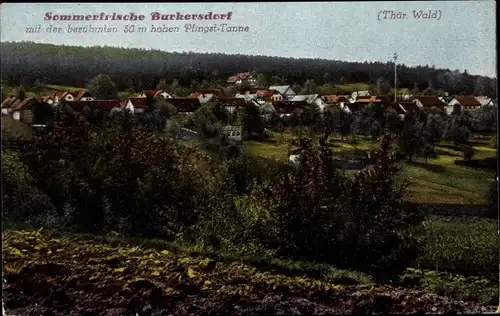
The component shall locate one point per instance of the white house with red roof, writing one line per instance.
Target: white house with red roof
(66, 95)
(135, 105)
(242, 78)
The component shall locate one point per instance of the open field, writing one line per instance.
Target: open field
(73, 274)
(438, 181)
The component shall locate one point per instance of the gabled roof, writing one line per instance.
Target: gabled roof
(467, 100)
(241, 75)
(45, 99)
(24, 103)
(430, 101)
(267, 93)
(82, 94)
(281, 89)
(63, 94)
(185, 104)
(105, 105)
(138, 103)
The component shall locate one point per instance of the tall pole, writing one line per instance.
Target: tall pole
(498, 210)
(395, 78)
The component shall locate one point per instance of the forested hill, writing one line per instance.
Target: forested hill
(28, 63)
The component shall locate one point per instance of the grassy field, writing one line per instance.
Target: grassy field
(437, 181)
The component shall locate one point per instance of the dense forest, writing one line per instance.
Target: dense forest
(29, 63)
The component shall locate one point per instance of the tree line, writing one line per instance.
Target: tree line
(29, 63)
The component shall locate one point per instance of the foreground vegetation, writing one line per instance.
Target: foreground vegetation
(75, 275)
(117, 173)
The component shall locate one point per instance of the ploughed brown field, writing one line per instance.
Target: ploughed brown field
(47, 274)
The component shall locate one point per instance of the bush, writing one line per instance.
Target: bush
(118, 179)
(321, 214)
(22, 201)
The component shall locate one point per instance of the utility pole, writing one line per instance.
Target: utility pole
(395, 78)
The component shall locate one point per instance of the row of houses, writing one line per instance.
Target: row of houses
(280, 99)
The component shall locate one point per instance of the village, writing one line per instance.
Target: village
(280, 99)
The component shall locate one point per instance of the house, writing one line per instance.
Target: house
(155, 93)
(286, 91)
(66, 95)
(135, 105)
(357, 94)
(104, 105)
(242, 78)
(429, 102)
(335, 99)
(185, 106)
(203, 97)
(485, 101)
(233, 132)
(23, 111)
(9, 103)
(310, 99)
(84, 96)
(232, 104)
(463, 103)
(267, 95)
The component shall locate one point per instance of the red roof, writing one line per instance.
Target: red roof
(62, 94)
(241, 75)
(139, 103)
(430, 101)
(105, 105)
(24, 103)
(467, 100)
(266, 93)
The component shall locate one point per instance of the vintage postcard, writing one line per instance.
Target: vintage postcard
(245, 158)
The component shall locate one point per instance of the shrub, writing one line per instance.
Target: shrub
(321, 214)
(22, 201)
(118, 178)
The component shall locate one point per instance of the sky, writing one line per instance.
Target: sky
(460, 36)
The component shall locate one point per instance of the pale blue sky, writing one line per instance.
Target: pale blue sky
(464, 37)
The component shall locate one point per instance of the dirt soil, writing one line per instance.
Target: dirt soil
(46, 274)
